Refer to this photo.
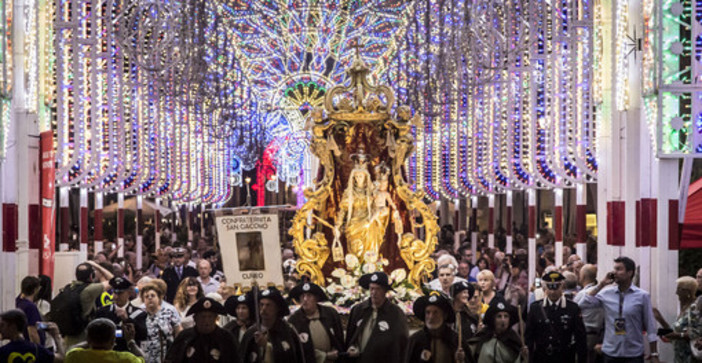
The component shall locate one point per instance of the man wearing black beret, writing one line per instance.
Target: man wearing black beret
(318, 326)
(124, 315)
(276, 341)
(555, 331)
(377, 329)
(436, 342)
(205, 342)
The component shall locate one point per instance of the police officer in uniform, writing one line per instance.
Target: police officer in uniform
(555, 331)
(206, 341)
(124, 314)
(318, 326)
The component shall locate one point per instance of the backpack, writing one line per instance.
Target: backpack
(67, 310)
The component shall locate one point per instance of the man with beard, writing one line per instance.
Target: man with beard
(124, 315)
(205, 342)
(377, 329)
(436, 342)
(318, 326)
(462, 293)
(555, 331)
(497, 342)
(275, 341)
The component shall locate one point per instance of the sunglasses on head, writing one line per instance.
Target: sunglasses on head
(553, 285)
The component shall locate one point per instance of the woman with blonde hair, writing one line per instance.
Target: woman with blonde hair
(486, 281)
(188, 293)
(687, 327)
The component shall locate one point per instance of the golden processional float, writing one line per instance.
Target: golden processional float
(361, 215)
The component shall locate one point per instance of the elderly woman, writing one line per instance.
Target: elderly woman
(162, 324)
(687, 327)
(486, 281)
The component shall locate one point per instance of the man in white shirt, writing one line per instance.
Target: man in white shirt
(592, 317)
(208, 283)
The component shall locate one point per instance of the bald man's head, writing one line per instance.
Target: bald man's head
(588, 274)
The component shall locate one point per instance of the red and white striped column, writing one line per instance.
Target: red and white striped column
(558, 224)
(531, 200)
(189, 219)
(97, 221)
(120, 224)
(139, 227)
(65, 219)
(508, 223)
(157, 225)
(83, 225)
(581, 221)
(474, 227)
(491, 221)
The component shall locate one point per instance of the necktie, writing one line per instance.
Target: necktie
(180, 272)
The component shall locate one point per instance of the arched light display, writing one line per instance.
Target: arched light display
(676, 38)
(505, 90)
(163, 98)
(6, 7)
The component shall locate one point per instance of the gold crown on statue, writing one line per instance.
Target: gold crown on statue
(360, 157)
(382, 172)
(369, 102)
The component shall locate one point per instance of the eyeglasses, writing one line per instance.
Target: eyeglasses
(554, 286)
(177, 256)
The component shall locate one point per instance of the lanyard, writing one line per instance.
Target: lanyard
(621, 303)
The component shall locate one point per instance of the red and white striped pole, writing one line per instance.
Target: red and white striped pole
(139, 226)
(120, 224)
(65, 217)
(157, 225)
(508, 223)
(581, 220)
(531, 200)
(491, 221)
(474, 227)
(83, 193)
(97, 221)
(558, 224)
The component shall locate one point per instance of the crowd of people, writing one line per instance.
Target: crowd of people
(180, 309)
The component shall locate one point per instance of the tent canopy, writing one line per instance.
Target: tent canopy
(147, 207)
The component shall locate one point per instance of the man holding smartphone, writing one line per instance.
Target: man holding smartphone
(628, 313)
(122, 313)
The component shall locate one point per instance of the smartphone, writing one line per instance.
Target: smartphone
(664, 331)
(537, 282)
(42, 325)
(610, 276)
(118, 333)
